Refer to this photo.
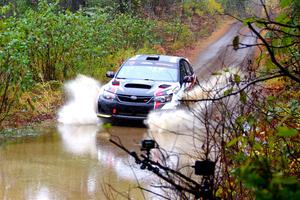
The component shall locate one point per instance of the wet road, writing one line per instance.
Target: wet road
(70, 162)
(221, 54)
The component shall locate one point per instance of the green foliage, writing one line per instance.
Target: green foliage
(132, 6)
(259, 176)
(228, 91)
(45, 43)
(285, 3)
(284, 131)
(238, 8)
(264, 161)
(211, 7)
(263, 149)
(243, 97)
(176, 35)
(15, 74)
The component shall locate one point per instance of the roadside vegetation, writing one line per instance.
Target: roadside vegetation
(262, 157)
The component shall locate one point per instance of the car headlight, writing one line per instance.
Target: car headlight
(108, 95)
(163, 98)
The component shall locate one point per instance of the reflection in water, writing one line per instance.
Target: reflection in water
(82, 139)
(92, 184)
(71, 164)
(42, 194)
(79, 139)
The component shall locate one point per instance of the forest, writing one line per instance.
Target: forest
(44, 43)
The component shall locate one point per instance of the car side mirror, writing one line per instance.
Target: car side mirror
(187, 79)
(110, 74)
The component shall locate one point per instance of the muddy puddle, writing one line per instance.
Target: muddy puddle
(71, 162)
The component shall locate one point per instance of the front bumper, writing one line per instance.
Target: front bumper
(115, 109)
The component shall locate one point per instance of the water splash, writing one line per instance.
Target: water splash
(183, 129)
(81, 106)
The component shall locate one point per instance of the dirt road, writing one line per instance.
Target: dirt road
(218, 52)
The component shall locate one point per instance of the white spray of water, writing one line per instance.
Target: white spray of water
(182, 130)
(81, 107)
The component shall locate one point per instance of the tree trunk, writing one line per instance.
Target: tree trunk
(73, 5)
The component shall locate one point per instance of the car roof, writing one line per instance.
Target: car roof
(163, 58)
(154, 60)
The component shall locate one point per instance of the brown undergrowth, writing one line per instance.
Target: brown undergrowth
(36, 105)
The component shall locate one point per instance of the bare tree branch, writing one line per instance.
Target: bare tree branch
(155, 193)
(272, 56)
(236, 92)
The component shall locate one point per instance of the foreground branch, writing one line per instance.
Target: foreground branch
(233, 93)
(272, 55)
(183, 184)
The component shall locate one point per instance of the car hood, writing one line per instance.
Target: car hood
(141, 87)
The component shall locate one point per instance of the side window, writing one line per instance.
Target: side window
(188, 68)
(183, 71)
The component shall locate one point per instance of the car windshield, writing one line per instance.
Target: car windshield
(155, 73)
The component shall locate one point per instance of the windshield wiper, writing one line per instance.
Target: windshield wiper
(121, 78)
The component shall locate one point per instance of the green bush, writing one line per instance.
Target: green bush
(45, 44)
